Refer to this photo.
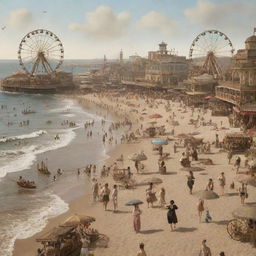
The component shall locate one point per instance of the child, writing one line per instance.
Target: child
(208, 217)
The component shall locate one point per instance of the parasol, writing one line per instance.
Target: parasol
(183, 136)
(206, 194)
(247, 179)
(245, 212)
(159, 142)
(134, 202)
(138, 157)
(155, 116)
(76, 220)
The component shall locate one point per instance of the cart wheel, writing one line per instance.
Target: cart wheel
(237, 229)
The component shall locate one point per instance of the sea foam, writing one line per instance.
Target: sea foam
(35, 222)
(23, 136)
(27, 155)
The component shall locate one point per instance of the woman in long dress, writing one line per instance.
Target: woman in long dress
(150, 195)
(210, 185)
(162, 197)
(200, 208)
(243, 193)
(136, 218)
(190, 181)
(171, 215)
(114, 196)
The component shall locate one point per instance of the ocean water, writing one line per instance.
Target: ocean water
(25, 212)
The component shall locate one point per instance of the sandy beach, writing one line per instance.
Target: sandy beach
(155, 233)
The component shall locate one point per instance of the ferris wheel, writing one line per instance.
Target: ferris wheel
(40, 52)
(209, 46)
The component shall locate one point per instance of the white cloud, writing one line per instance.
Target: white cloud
(156, 21)
(20, 18)
(232, 16)
(104, 23)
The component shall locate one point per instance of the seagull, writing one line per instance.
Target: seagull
(3, 28)
(44, 11)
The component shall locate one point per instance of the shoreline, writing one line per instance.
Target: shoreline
(73, 203)
(156, 234)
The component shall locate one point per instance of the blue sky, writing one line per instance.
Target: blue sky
(92, 28)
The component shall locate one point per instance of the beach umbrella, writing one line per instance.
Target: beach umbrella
(77, 219)
(138, 157)
(134, 202)
(153, 180)
(155, 116)
(183, 136)
(205, 194)
(247, 179)
(159, 142)
(245, 212)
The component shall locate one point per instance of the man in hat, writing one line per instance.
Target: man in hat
(205, 250)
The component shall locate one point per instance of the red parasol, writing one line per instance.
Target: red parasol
(155, 116)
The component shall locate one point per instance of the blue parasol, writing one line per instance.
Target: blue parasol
(134, 202)
(159, 142)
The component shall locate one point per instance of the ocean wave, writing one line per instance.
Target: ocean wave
(31, 224)
(23, 136)
(27, 155)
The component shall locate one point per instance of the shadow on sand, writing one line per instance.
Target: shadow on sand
(151, 231)
(182, 229)
(221, 222)
(119, 211)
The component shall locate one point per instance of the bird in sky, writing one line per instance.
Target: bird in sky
(44, 11)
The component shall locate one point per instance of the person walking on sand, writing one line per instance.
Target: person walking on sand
(171, 215)
(105, 196)
(114, 196)
(141, 251)
(205, 250)
(200, 209)
(95, 189)
(243, 193)
(136, 164)
(229, 156)
(150, 195)
(222, 181)
(190, 181)
(162, 197)
(136, 218)
(237, 164)
(210, 185)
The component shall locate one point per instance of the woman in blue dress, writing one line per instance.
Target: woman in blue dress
(171, 215)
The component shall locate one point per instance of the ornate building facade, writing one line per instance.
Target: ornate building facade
(240, 90)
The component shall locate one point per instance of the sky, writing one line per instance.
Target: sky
(89, 29)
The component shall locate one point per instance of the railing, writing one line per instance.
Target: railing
(228, 97)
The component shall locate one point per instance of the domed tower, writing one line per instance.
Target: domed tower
(163, 48)
(250, 43)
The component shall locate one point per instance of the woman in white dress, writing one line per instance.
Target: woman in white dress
(114, 196)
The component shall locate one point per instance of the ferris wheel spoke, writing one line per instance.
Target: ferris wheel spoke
(34, 42)
(52, 47)
(222, 47)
